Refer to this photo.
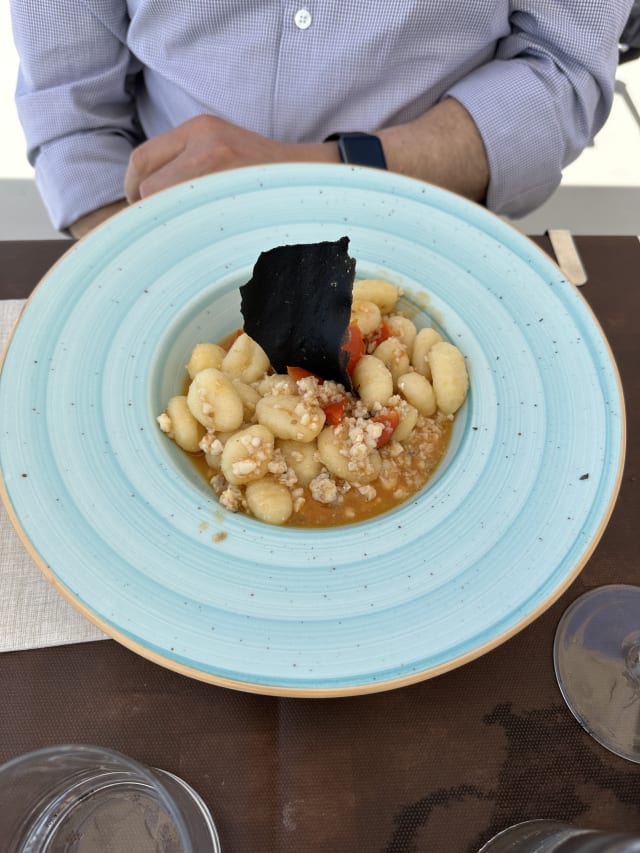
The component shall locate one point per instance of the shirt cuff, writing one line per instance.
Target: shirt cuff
(516, 118)
(78, 174)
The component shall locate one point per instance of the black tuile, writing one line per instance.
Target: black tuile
(297, 306)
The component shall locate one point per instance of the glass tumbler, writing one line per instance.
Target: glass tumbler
(77, 798)
(553, 836)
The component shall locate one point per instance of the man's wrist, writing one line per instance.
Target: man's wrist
(84, 224)
(359, 149)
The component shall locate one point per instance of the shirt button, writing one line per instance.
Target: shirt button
(302, 19)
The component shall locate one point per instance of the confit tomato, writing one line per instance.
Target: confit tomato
(389, 422)
(383, 332)
(354, 345)
(334, 412)
(300, 373)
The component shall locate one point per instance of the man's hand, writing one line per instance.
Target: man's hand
(208, 144)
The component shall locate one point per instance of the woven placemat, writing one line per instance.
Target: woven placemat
(32, 613)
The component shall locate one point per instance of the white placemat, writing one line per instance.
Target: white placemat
(32, 613)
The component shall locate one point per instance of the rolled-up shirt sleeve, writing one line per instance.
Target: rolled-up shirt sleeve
(74, 102)
(544, 96)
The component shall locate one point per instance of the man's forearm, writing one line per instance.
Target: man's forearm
(443, 147)
(91, 220)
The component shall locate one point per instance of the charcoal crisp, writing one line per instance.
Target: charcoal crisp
(297, 306)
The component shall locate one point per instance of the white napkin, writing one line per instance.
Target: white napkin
(32, 613)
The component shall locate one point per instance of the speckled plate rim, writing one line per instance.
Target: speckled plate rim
(495, 226)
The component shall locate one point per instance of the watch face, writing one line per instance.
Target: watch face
(362, 150)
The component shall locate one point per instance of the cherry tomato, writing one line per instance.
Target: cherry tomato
(383, 332)
(354, 346)
(389, 422)
(300, 373)
(334, 412)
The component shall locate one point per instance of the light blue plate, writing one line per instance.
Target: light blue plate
(121, 523)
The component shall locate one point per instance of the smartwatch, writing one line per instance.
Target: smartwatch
(359, 149)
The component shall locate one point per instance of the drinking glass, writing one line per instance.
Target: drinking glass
(597, 661)
(77, 798)
(553, 836)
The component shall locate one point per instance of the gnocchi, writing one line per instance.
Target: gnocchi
(395, 356)
(418, 391)
(183, 428)
(303, 459)
(246, 360)
(340, 455)
(290, 416)
(269, 500)
(402, 328)
(213, 401)
(372, 380)
(249, 397)
(366, 315)
(381, 293)
(449, 373)
(205, 355)
(422, 344)
(407, 419)
(292, 448)
(246, 455)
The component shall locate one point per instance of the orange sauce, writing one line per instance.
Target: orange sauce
(423, 452)
(421, 455)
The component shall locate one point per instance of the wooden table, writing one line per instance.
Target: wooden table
(438, 766)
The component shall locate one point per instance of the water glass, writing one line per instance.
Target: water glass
(77, 798)
(552, 836)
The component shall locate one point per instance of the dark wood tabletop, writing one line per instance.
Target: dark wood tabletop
(438, 766)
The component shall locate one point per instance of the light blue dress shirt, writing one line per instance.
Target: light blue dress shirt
(98, 76)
